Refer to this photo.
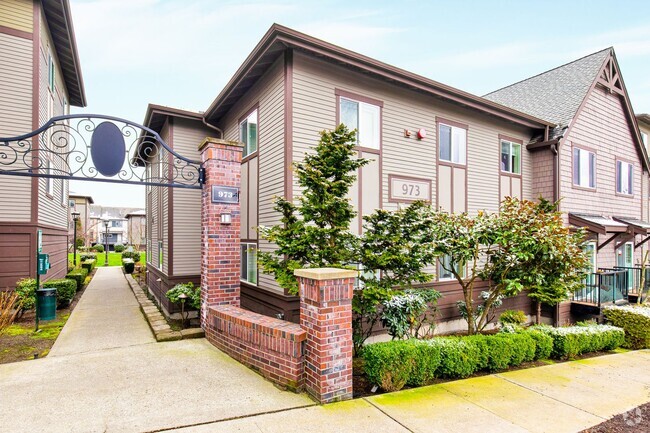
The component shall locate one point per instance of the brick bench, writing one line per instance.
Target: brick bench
(270, 346)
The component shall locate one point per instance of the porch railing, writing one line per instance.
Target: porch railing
(634, 278)
(607, 286)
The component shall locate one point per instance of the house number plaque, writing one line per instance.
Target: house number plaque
(225, 194)
(408, 189)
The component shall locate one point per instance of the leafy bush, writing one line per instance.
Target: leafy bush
(543, 343)
(459, 357)
(193, 294)
(406, 312)
(513, 317)
(87, 256)
(571, 341)
(89, 264)
(79, 275)
(129, 265)
(26, 290)
(135, 255)
(65, 290)
(118, 248)
(80, 242)
(98, 247)
(636, 323)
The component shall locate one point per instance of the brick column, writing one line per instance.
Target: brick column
(326, 315)
(220, 261)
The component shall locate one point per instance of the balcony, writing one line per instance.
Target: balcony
(608, 286)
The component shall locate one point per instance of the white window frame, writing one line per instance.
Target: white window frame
(368, 123)
(441, 270)
(457, 144)
(583, 177)
(245, 250)
(51, 72)
(49, 181)
(594, 260)
(511, 145)
(248, 148)
(644, 138)
(624, 167)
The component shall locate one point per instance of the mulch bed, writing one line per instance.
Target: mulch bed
(636, 420)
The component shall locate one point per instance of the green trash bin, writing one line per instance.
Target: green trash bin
(46, 303)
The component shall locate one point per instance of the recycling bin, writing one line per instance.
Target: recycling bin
(46, 303)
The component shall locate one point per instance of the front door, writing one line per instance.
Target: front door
(624, 259)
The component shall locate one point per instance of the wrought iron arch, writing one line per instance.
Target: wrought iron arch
(98, 148)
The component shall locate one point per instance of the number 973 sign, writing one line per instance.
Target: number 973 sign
(408, 189)
(225, 194)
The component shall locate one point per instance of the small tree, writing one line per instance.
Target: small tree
(315, 232)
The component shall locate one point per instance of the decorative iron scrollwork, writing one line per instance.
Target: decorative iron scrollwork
(99, 148)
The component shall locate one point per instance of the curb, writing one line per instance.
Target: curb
(157, 322)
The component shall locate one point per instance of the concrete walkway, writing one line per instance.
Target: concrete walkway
(106, 373)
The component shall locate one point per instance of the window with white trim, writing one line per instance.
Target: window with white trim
(453, 144)
(49, 182)
(248, 262)
(445, 267)
(590, 249)
(248, 133)
(363, 117)
(510, 157)
(584, 168)
(644, 138)
(51, 72)
(624, 178)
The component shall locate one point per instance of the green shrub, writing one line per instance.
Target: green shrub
(636, 323)
(571, 341)
(87, 256)
(459, 357)
(26, 290)
(426, 362)
(513, 317)
(129, 265)
(135, 255)
(389, 364)
(89, 265)
(80, 242)
(65, 290)
(99, 248)
(193, 294)
(118, 248)
(79, 276)
(543, 343)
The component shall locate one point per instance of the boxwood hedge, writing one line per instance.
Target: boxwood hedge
(635, 320)
(79, 276)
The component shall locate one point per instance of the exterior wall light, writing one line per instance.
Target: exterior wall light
(226, 218)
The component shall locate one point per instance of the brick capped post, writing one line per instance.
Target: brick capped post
(326, 315)
(220, 262)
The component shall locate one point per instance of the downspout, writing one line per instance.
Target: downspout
(556, 172)
(212, 127)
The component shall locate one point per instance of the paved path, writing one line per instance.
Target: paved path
(106, 373)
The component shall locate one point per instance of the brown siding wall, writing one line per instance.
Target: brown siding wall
(543, 183)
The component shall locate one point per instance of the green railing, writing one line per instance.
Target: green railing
(634, 279)
(607, 286)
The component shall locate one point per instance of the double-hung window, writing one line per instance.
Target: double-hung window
(453, 144)
(49, 182)
(510, 157)
(445, 266)
(363, 117)
(248, 262)
(248, 133)
(624, 177)
(584, 168)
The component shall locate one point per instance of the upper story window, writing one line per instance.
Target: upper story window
(51, 72)
(49, 182)
(445, 266)
(248, 133)
(363, 117)
(584, 168)
(510, 157)
(624, 178)
(116, 223)
(453, 144)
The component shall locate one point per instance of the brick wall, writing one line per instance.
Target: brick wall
(272, 347)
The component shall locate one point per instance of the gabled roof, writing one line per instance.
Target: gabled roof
(278, 38)
(554, 95)
(643, 118)
(59, 21)
(87, 197)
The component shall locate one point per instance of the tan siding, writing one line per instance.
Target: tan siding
(444, 187)
(15, 119)
(505, 187)
(371, 186)
(460, 195)
(543, 183)
(268, 92)
(253, 200)
(17, 14)
(516, 187)
(188, 134)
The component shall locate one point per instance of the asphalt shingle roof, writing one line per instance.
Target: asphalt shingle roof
(554, 95)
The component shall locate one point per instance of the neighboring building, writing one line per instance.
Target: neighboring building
(40, 77)
(174, 214)
(136, 223)
(81, 204)
(117, 232)
(594, 159)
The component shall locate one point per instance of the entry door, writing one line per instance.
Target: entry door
(624, 259)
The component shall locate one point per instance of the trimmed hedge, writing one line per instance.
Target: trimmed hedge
(87, 256)
(636, 323)
(79, 275)
(135, 255)
(98, 247)
(26, 290)
(65, 290)
(129, 265)
(571, 341)
(118, 248)
(89, 265)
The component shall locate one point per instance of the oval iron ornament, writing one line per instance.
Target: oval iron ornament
(107, 149)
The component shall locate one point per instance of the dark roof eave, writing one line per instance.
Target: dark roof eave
(294, 39)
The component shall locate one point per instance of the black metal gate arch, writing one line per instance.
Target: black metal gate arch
(100, 148)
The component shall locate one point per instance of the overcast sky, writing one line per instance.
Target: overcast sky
(182, 53)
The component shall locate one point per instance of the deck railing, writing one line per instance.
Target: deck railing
(607, 286)
(634, 278)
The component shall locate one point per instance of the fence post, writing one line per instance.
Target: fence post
(326, 316)
(220, 223)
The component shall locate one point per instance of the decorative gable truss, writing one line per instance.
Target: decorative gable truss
(610, 78)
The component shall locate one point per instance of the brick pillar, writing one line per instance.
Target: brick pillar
(220, 262)
(326, 315)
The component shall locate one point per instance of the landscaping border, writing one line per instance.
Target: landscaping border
(159, 326)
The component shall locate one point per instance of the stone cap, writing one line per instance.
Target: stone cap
(320, 274)
(211, 140)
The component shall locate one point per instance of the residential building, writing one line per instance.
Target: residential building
(40, 77)
(426, 140)
(117, 230)
(136, 229)
(80, 204)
